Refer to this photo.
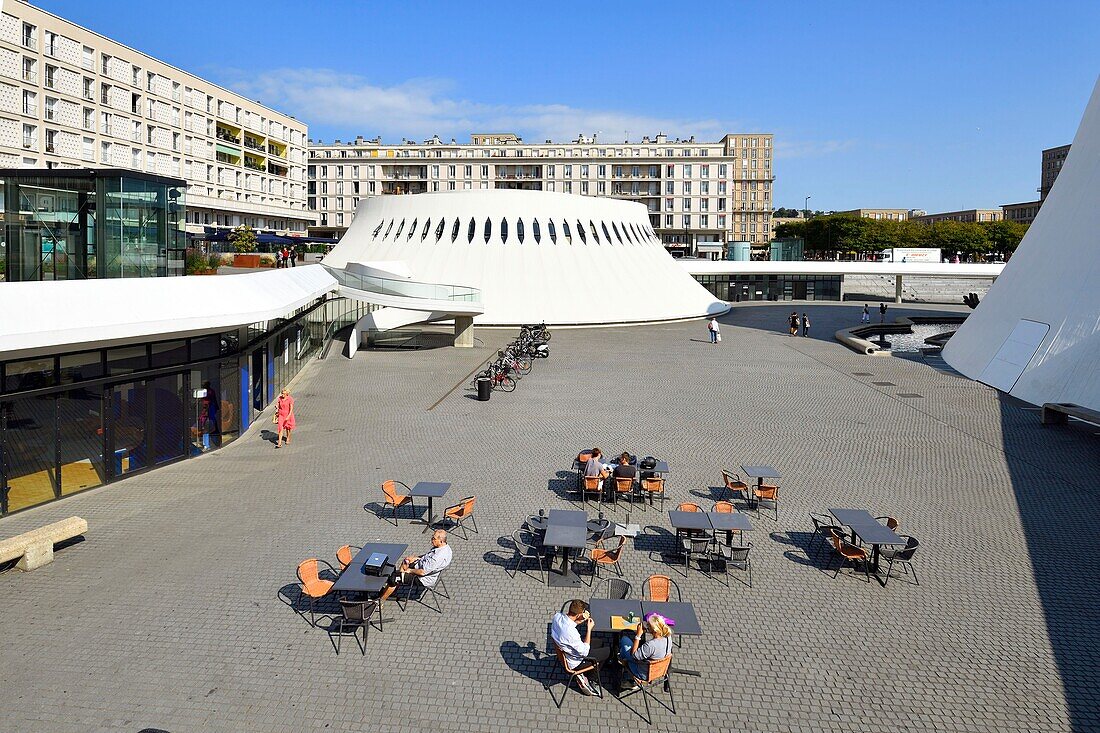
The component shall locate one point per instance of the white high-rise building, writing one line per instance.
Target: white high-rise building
(700, 196)
(71, 98)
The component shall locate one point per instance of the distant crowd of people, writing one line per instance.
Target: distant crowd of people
(286, 255)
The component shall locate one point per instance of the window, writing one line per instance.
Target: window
(519, 230)
(687, 221)
(670, 187)
(412, 229)
(568, 171)
(535, 231)
(471, 229)
(606, 234)
(552, 231)
(584, 171)
(687, 171)
(388, 229)
(668, 220)
(503, 230)
(549, 171)
(50, 79)
(484, 171)
(615, 227)
(581, 233)
(566, 232)
(439, 229)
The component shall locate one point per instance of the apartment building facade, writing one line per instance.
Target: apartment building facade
(700, 196)
(71, 98)
(1053, 158)
(966, 215)
(882, 214)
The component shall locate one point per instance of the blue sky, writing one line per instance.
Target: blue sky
(933, 105)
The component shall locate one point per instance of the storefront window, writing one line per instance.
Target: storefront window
(126, 359)
(29, 374)
(81, 366)
(29, 471)
(80, 434)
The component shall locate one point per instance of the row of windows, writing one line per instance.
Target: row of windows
(633, 233)
(521, 152)
(617, 171)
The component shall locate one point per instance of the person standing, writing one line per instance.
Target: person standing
(805, 324)
(866, 317)
(284, 416)
(882, 313)
(293, 256)
(715, 336)
(793, 320)
(278, 258)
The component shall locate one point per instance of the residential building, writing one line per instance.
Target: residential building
(886, 214)
(1053, 158)
(966, 215)
(1021, 213)
(71, 98)
(1025, 212)
(700, 196)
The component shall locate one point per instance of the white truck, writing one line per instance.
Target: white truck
(911, 254)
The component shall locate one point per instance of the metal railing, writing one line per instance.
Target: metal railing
(405, 288)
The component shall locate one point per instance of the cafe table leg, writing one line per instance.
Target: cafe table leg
(430, 515)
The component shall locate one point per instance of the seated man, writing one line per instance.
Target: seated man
(637, 655)
(421, 567)
(624, 469)
(565, 630)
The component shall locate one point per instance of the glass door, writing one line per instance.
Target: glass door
(168, 417)
(127, 428)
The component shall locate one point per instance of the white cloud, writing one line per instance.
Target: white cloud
(420, 108)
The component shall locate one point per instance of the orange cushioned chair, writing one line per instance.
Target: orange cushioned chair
(624, 487)
(607, 556)
(582, 668)
(658, 588)
(654, 486)
(769, 493)
(461, 513)
(734, 485)
(658, 672)
(592, 484)
(688, 506)
(313, 587)
(394, 499)
(849, 553)
(344, 556)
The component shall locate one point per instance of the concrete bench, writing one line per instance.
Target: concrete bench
(1056, 413)
(35, 548)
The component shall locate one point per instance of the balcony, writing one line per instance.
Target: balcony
(30, 76)
(272, 150)
(223, 135)
(28, 142)
(253, 144)
(50, 148)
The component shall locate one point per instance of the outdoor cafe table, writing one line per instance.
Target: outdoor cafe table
(429, 490)
(868, 529)
(354, 580)
(605, 610)
(567, 530)
(728, 522)
(759, 473)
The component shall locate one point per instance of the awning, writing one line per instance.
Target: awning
(227, 150)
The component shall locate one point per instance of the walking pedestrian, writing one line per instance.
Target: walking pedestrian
(284, 416)
(805, 325)
(293, 256)
(278, 258)
(866, 316)
(793, 320)
(712, 327)
(882, 313)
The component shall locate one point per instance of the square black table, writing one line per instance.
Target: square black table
(354, 580)
(430, 490)
(759, 473)
(870, 530)
(602, 609)
(730, 522)
(567, 530)
(687, 623)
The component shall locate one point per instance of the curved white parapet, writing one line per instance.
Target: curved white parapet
(534, 255)
(1036, 334)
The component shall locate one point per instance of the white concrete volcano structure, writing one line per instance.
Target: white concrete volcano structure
(533, 255)
(1036, 334)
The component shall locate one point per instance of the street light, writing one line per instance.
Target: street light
(806, 207)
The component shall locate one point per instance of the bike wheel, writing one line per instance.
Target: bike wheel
(523, 366)
(543, 335)
(508, 384)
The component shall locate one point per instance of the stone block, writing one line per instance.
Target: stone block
(36, 555)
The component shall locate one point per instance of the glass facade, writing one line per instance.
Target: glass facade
(73, 421)
(736, 288)
(79, 224)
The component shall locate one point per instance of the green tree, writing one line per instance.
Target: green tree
(1004, 236)
(790, 229)
(243, 239)
(956, 236)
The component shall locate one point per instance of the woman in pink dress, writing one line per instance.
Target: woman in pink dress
(284, 416)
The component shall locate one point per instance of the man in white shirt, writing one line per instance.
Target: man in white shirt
(565, 630)
(422, 568)
(713, 328)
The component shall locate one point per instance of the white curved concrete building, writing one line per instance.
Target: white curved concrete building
(1036, 334)
(534, 255)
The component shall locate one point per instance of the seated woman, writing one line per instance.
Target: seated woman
(637, 655)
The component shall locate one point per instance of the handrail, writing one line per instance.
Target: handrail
(405, 288)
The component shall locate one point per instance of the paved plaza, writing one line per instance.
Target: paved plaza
(176, 612)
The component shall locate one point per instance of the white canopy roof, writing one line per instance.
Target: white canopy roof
(76, 313)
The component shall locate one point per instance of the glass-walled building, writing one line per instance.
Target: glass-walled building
(75, 419)
(735, 288)
(75, 224)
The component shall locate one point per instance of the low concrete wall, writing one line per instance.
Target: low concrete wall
(915, 288)
(856, 338)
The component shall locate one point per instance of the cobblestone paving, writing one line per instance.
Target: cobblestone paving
(176, 614)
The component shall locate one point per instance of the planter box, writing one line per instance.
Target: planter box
(249, 260)
(204, 272)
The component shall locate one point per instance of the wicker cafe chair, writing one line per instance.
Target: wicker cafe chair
(582, 668)
(313, 586)
(345, 555)
(394, 499)
(658, 672)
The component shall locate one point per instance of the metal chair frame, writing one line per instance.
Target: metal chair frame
(302, 589)
(433, 589)
(618, 588)
(529, 550)
(460, 521)
(904, 557)
(583, 668)
(356, 615)
(402, 502)
(643, 686)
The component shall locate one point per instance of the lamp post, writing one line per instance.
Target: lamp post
(806, 207)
